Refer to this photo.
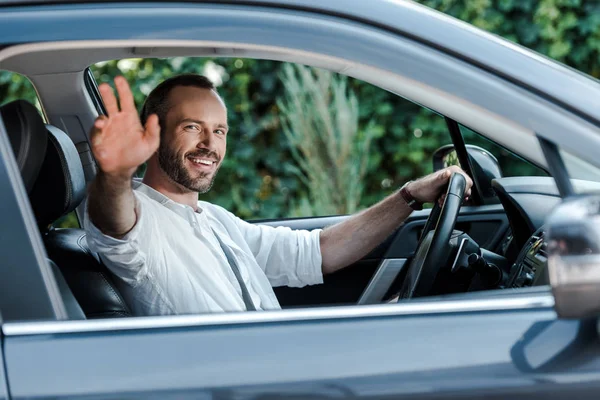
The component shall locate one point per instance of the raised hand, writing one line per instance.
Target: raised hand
(119, 141)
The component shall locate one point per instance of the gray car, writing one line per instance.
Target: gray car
(527, 329)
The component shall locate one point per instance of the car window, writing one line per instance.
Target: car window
(588, 174)
(510, 163)
(303, 141)
(15, 86)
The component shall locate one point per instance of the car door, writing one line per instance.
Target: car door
(396, 351)
(3, 386)
(470, 347)
(467, 346)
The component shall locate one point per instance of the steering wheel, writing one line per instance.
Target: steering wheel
(434, 248)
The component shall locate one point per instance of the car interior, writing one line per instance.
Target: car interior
(497, 243)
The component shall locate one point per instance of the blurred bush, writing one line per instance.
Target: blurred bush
(320, 120)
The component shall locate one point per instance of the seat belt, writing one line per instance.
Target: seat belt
(236, 271)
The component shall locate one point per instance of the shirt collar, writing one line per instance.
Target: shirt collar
(161, 198)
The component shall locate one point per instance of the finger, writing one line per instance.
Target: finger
(109, 99)
(469, 181)
(125, 95)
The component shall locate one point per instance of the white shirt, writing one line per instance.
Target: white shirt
(172, 263)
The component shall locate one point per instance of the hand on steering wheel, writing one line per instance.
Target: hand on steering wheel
(434, 248)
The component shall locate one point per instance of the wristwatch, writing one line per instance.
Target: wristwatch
(409, 199)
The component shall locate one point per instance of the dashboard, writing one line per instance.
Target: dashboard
(527, 202)
(529, 269)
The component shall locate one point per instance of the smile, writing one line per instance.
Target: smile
(202, 161)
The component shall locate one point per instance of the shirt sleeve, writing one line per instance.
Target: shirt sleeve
(124, 257)
(288, 257)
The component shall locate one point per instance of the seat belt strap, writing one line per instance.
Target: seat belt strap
(236, 271)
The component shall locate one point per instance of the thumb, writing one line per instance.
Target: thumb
(152, 130)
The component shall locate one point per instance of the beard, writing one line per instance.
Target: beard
(173, 164)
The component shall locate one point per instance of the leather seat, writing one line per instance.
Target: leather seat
(54, 179)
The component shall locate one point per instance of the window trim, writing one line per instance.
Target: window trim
(92, 88)
(496, 301)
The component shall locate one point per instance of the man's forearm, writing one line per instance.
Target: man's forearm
(111, 204)
(349, 241)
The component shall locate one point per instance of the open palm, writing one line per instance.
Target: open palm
(119, 141)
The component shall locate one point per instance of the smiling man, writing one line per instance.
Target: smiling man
(174, 254)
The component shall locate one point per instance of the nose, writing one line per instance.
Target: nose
(206, 139)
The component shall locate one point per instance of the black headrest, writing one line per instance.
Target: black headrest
(27, 134)
(48, 160)
(60, 186)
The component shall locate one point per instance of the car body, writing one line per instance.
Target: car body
(496, 344)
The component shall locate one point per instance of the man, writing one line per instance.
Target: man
(174, 254)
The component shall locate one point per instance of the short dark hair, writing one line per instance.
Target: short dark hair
(157, 100)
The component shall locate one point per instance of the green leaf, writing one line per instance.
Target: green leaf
(559, 49)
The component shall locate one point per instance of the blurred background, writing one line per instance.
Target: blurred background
(307, 142)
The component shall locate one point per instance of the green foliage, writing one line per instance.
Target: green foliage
(566, 30)
(68, 221)
(17, 87)
(320, 120)
(260, 175)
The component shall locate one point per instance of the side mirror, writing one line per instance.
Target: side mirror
(485, 165)
(573, 237)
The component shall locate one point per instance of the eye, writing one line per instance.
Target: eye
(220, 132)
(191, 128)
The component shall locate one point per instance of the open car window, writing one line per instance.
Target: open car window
(306, 148)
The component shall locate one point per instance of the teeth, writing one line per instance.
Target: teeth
(204, 162)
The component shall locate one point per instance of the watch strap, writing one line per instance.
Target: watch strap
(409, 199)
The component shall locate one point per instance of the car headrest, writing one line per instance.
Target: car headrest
(48, 160)
(28, 138)
(60, 186)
